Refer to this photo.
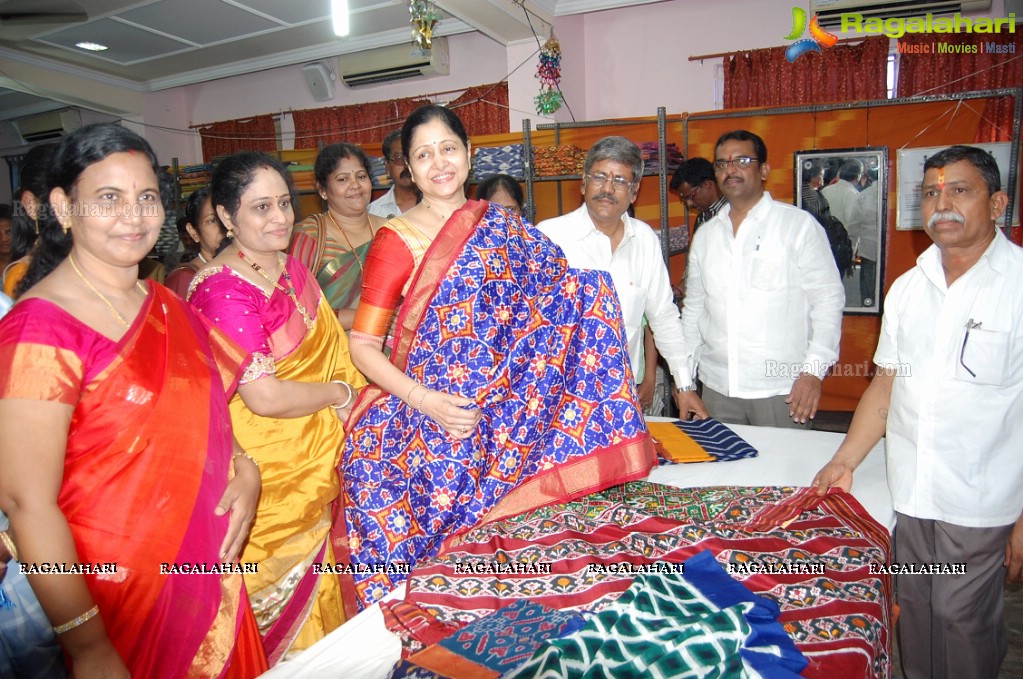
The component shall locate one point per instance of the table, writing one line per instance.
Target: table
(364, 648)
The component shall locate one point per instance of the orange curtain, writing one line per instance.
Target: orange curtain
(932, 73)
(230, 136)
(483, 110)
(841, 73)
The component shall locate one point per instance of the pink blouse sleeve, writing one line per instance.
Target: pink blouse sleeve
(233, 305)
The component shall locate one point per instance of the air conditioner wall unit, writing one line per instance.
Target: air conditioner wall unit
(829, 12)
(394, 62)
(49, 125)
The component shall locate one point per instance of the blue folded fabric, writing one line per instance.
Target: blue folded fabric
(717, 439)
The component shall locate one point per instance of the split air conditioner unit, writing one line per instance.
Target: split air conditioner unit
(50, 125)
(829, 12)
(395, 62)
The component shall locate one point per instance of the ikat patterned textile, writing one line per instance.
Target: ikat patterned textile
(675, 626)
(490, 160)
(818, 569)
(500, 642)
(540, 349)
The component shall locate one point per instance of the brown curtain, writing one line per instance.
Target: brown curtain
(841, 73)
(930, 73)
(230, 136)
(482, 109)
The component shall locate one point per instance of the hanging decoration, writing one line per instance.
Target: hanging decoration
(548, 72)
(424, 15)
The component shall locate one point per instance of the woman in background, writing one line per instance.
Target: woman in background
(503, 191)
(98, 372)
(291, 402)
(204, 230)
(32, 196)
(333, 244)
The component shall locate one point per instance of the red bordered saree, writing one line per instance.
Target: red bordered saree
(148, 458)
(493, 314)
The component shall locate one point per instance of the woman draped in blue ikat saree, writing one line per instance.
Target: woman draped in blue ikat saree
(509, 384)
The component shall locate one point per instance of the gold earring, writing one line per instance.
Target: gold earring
(230, 232)
(66, 226)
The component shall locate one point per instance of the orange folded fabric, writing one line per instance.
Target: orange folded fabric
(675, 445)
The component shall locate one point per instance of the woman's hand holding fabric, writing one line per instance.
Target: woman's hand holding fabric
(240, 498)
(451, 413)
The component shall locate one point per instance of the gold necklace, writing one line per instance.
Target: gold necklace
(351, 248)
(443, 218)
(310, 322)
(117, 314)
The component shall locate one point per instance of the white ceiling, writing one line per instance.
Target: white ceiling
(157, 44)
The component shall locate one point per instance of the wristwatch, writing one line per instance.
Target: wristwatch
(687, 387)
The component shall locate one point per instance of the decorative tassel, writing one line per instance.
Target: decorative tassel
(424, 15)
(548, 72)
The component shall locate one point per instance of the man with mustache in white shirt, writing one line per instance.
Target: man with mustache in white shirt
(948, 393)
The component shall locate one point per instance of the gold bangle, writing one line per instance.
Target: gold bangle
(348, 401)
(9, 544)
(408, 399)
(80, 620)
(247, 456)
(425, 392)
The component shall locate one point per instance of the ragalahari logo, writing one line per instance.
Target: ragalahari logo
(818, 36)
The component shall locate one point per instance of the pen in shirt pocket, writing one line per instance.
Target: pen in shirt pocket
(757, 248)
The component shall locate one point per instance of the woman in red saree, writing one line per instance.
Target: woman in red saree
(115, 442)
(508, 387)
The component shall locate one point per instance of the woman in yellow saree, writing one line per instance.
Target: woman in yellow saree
(290, 402)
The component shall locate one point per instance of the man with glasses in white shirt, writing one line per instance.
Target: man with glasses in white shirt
(403, 194)
(948, 393)
(601, 235)
(764, 301)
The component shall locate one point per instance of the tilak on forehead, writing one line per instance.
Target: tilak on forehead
(941, 179)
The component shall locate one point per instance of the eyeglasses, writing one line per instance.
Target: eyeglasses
(690, 197)
(970, 325)
(396, 158)
(617, 183)
(742, 162)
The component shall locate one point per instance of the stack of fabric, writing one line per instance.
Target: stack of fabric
(491, 160)
(651, 164)
(706, 440)
(689, 621)
(302, 176)
(555, 161)
(192, 177)
(813, 557)
(378, 172)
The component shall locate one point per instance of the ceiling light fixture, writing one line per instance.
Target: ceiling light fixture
(91, 46)
(339, 12)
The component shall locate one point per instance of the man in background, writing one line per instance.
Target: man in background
(763, 300)
(403, 194)
(697, 189)
(948, 393)
(601, 235)
(842, 194)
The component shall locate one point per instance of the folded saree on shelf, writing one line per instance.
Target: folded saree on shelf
(584, 554)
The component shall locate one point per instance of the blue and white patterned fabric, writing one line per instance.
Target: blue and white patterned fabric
(493, 160)
(717, 439)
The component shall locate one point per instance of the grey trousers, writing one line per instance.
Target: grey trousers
(951, 625)
(761, 412)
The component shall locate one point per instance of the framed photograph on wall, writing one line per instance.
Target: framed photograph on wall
(846, 191)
